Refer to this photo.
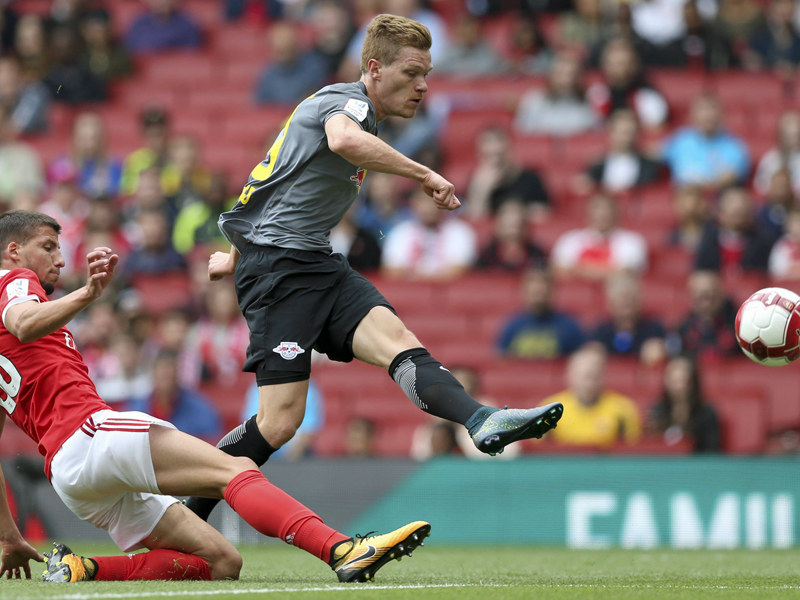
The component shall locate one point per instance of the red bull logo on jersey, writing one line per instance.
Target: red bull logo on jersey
(358, 178)
(288, 350)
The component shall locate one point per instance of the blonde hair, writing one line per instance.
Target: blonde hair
(388, 34)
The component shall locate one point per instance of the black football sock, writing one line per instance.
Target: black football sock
(431, 386)
(243, 440)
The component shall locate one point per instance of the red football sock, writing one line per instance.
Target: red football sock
(275, 513)
(155, 564)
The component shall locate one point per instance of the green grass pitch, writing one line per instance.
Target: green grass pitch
(464, 573)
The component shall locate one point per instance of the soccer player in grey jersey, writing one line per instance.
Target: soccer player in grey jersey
(296, 295)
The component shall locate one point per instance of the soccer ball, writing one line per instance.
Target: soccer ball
(768, 327)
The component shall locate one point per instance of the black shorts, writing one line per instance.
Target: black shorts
(296, 300)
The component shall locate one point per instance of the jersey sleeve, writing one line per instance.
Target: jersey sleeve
(20, 285)
(354, 104)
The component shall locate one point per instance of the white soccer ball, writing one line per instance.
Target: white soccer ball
(768, 327)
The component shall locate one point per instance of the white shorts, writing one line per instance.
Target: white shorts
(104, 474)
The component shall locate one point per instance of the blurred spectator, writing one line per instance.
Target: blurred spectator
(196, 223)
(624, 166)
(708, 329)
(510, 248)
(170, 333)
(786, 153)
(778, 200)
(593, 415)
(418, 137)
(529, 53)
(601, 248)
(584, 27)
(147, 196)
(702, 46)
(186, 408)
(67, 13)
(154, 125)
(435, 438)
(627, 330)
(98, 173)
(215, 343)
(65, 203)
(68, 79)
(152, 253)
(302, 444)
(660, 22)
(293, 72)
(691, 215)
(561, 108)
(413, 9)
(256, 11)
(27, 102)
(94, 334)
(102, 54)
(359, 438)
(358, 244)
(621, 26)
(625, 85)
(128, 376)
(20, 169)
(469, 54)
(162, 26)
(102, 227)
(704, 153)
(784, 259)
(776, 45)
(733, 242)
(735, 24)
(681, 411)
(498, 177)
(385, 205)
(433, 245)
(333, 28)
(30, 47)
(184, 178)
(8, 25)
(785, 441)
(539, 331)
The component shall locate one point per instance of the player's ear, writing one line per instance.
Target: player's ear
(11, 251)
(374, 67)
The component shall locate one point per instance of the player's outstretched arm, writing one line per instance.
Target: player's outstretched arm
(29, 321)
(367, 151)
(16, 552)
(221, 264)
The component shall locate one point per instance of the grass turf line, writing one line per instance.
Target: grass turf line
(467, 573)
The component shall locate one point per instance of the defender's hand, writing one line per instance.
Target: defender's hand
(102, 263)
(15, 559)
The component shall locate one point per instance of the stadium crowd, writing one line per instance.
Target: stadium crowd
(607, 154)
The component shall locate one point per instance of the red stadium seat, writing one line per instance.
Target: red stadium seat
(743, 419)
(229, 398)
(179, 70)
(163, 292)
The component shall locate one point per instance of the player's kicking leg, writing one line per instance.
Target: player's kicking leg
(382, 339)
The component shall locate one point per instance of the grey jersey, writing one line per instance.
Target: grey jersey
(301, 190)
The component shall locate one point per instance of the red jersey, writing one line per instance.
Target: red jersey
(44, 384)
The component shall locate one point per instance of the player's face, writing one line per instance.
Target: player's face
(402, 85)
(42, 255)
